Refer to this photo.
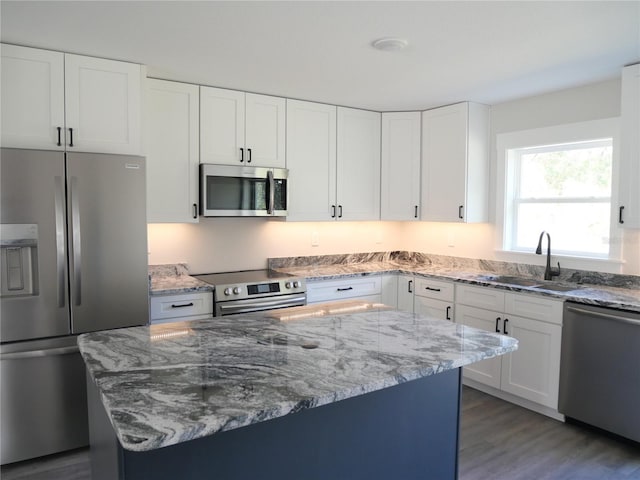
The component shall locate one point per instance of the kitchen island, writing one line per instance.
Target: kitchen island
(342, 390)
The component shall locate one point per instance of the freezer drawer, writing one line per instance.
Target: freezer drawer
(44, 399)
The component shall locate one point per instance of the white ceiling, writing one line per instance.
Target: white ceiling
(488, 52)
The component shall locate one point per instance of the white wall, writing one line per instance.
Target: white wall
(225, 244)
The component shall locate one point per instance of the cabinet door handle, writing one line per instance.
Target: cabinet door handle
(432, 289)
(448, 314)
(190, 304)
(59, 136)
(409, 285)
(620, 220)
(415, 212)
(333, 211)
(339, 211)
(71, 137)
(195, 210)
(241, 154)
(461, 211)
(248, 155)
(345, 289)
(504, 326)
(498, 324)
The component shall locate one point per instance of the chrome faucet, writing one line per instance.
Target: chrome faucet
(549, 272)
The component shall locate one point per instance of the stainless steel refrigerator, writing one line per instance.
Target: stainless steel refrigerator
(73, 259)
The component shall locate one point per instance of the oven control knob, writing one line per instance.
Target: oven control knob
(288, 285)
(227, 291)
(296, 284)
(237, 290)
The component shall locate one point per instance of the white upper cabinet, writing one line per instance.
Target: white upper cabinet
(103, 105)
(311, 160)
(265, 130)
(358, 166)
(221, 126)
(238, 128)
(57, 101)
(400, 171)
(455, 163)
(629, 195)
(32, 98)
(171, 136)
(333, 157)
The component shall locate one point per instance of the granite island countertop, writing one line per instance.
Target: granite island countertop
(166, 384)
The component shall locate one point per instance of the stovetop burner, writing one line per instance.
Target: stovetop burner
(242, 277)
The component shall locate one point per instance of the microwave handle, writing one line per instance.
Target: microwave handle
(270, 193)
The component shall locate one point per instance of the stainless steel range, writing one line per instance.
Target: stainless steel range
(254, 291)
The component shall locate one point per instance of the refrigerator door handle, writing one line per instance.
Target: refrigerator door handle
(60, 244)
(39, 353)
(76, 242)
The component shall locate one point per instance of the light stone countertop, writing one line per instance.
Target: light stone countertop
(166, 384)
(620, 292)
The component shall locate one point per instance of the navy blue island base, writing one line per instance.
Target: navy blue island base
(407, 432)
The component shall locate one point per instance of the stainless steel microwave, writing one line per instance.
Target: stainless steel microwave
(235, 191)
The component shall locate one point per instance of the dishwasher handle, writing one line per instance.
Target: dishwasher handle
(608, 316)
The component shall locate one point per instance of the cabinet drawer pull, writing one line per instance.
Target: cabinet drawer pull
(620, 220)
(190, 304)
(345, 289)
(498, 324)
(448, 312)
(504, 326)
(432, 289)
(409, 285)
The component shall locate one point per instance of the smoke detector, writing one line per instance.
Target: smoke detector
(390, 44)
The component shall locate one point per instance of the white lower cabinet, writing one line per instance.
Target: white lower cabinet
(434, 298)
(406, 288)
(533, 371)
(362, 288)
(175, 308)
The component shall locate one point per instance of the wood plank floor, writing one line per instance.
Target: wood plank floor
(499, 441)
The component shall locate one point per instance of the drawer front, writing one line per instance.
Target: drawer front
(535, 307)
(436, 289)
(329, 290)
(482, 297)
(177, 306)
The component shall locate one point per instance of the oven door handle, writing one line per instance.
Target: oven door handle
(248, 306)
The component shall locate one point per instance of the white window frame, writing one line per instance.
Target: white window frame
(557, 135)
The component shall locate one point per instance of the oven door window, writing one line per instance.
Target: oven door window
(236, 194)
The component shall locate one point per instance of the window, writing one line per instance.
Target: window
(564, 188)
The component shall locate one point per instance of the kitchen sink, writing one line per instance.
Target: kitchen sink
(555, 287)
(512, 280)
(529, 282)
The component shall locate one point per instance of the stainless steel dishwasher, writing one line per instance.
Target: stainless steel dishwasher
(600, 368)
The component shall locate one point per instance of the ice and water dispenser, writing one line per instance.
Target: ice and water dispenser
(19, 259)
